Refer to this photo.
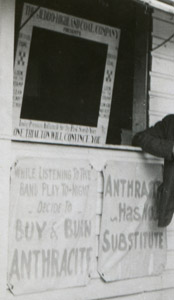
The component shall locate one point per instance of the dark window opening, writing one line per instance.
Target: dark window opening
(64, 76)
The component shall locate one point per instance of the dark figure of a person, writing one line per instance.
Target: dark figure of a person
(158, 140)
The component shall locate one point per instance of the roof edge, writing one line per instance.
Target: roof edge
(159, 5)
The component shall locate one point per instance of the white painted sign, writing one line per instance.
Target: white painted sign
(52, 224)
(131, 244)
(39, 124)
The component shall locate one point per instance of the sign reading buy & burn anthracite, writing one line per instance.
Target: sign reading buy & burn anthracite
(52, 224)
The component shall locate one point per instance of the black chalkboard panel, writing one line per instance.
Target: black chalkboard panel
(64, 79)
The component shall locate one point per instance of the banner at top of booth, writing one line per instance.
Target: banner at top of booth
(34, 15)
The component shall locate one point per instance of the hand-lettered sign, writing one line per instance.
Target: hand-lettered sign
(131, 244)
(52, 224)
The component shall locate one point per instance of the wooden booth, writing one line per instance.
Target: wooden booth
(77, 202)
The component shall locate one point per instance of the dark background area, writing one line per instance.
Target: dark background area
(64, 79)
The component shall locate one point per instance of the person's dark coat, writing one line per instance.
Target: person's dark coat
(159, 141)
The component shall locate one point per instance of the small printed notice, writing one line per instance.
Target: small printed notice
(52, 224)
(131, 243)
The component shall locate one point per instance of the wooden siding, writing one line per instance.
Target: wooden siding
(161, 103)
(6, 89)
(161, 94)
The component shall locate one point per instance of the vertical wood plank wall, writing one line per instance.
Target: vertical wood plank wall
(6, 90)
(161, 94)
(161, 102)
